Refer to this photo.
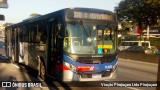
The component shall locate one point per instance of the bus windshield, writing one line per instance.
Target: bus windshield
(88, 39)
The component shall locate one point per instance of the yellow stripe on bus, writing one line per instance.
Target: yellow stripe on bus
(105, 46)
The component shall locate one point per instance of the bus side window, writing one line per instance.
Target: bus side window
(25, 35)
(42, 34)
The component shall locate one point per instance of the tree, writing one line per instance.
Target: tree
(34, 15)
(7, 24)
(142, 12)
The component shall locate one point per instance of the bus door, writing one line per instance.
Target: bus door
(23, 45)
(8, 43)
(16, 45)
(33, 47)
(51, 60)
(55, 51)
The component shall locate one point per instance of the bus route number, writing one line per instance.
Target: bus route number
(108, 67)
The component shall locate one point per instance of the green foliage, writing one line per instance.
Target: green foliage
(7, 24)
(143, 12)
(34, 15)
(155, 42)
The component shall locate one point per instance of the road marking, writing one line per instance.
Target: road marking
(137, 61)
(133, 88)
(15, 66)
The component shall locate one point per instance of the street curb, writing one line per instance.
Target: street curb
(137, 61)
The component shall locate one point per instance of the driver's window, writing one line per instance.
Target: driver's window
(99, 37)
(104, 40)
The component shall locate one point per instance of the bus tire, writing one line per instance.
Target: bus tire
(42, 71)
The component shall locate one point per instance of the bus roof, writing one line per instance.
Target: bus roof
(52, 14)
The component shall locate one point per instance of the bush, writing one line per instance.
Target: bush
(155, 42)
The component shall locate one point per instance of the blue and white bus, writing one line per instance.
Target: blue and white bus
(72, 44)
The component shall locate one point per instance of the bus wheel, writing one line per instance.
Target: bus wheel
(42, 71)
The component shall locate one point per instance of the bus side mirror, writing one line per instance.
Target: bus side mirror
(2, 17)
(41, 48)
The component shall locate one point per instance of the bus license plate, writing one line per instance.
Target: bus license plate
(96, 75)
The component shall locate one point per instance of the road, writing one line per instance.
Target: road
(128, 70)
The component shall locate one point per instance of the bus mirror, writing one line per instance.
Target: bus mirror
(38, 38)
(42, 48)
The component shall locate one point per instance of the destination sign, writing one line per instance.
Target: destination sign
(93, 15)
(89, 15)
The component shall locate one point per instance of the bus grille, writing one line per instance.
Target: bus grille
(89, 74)
(95, 60)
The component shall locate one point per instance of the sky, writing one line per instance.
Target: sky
(19, 10)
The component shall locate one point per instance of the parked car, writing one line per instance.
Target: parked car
(138, 46)
(154, 50)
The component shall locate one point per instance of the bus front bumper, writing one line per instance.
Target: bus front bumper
(72, 76)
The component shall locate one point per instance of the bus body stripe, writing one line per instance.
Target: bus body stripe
(104, 66)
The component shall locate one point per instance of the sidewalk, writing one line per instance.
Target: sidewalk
(3, 57)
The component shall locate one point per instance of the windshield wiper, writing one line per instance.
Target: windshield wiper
(85, 31)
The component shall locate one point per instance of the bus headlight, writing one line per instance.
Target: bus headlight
(71, 67)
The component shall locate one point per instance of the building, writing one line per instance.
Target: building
(153, 32)
(2, 31)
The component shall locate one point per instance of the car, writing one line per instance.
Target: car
(136, 49)
(154, 50)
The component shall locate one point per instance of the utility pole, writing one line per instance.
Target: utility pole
(3, 4)
(158, 75)
(147, 32)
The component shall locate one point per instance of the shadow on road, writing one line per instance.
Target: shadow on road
(34, 78)
(12, 79)
(29, 75)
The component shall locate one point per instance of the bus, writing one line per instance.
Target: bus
(72, 44)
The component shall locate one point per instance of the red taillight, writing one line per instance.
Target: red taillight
(85, 68)
(62, 67)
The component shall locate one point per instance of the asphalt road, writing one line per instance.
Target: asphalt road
(128, 70)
